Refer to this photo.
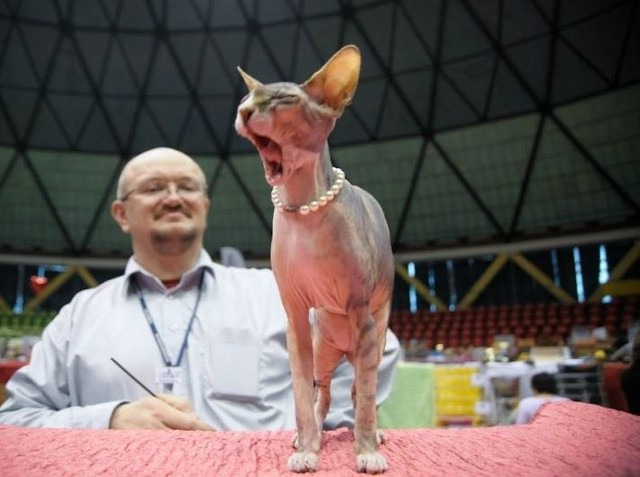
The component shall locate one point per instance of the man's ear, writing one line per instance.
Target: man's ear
(118, 214)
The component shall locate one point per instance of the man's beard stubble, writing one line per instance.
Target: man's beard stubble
(173, 243)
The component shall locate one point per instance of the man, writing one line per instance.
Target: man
(210, 340)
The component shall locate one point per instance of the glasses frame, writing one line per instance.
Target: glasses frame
(165, 192)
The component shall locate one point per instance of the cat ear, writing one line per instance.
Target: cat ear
(249, 80)
(335, 83)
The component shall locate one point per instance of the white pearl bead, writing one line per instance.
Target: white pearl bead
(322, 200)
(314, 205)
(304, 209)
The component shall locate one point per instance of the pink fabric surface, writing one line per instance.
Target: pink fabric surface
(565, 439)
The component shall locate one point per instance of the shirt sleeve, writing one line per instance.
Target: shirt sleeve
(38, 393)
(341, 412)
(526, 410)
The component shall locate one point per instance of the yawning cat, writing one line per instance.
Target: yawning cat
(330, 252)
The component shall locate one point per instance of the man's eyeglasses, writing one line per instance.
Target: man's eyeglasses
(159, 189)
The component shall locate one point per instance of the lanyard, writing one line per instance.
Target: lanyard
(154, 330)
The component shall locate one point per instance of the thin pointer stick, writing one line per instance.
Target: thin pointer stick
(134, 378)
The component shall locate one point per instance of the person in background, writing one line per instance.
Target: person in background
(208, 340)
(630, 378)
(545, 390)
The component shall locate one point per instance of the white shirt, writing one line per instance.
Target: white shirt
(529, 406)
(235, 369)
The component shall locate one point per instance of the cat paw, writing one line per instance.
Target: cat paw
(381, 437)
(295, 443)
(371, 463)
(303, 462)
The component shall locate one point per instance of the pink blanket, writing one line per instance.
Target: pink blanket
(565, 439)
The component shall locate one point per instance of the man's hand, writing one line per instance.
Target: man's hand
(162, 412)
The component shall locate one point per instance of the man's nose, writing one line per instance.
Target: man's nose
(172, 192)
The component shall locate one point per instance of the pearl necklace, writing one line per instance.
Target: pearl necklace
(314, 205)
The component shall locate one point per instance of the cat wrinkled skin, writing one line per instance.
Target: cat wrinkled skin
(333, 264)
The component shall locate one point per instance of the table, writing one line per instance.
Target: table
(412, 400)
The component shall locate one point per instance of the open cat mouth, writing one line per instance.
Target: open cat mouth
(271, 154)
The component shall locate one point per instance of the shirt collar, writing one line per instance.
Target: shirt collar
(189, 279)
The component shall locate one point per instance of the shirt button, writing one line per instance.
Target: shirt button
(173, 327)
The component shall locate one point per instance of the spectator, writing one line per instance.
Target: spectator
(545, 390)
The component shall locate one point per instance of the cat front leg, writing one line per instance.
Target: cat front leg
(367, 358)
(307, 440)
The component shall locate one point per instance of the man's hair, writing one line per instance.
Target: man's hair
(544, 383)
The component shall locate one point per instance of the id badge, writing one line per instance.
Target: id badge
(168, 377)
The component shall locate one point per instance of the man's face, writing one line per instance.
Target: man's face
(164, 203)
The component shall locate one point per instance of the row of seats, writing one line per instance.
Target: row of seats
(543, 323)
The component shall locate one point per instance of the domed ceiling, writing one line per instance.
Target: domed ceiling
(474, 122)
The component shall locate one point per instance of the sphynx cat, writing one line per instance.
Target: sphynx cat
(330, 252)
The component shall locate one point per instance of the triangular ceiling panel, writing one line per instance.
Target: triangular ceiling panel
(24, 207)
(20, 106)
(165, 75)
(119, 77)
(522, 21)
(493, 159)
(139, 50)
(531, 61)
(416, 88)
(107, 240)
(149, 133)
(233, 221)
(597, 48)
(71, 111)
(90, 174)
(282, 41)
(565, 188)
(469, 37)
(15, 67)
(94, 47)
(41, 42)
(398, 118)
(407, 39)
(573, 76)
(133, 15)
(213, 76)
(47, 122)
(452, 107)
(68, 73)
(610, 130)
(472, 77)
(170, 114)
(384, 170)
(197, 132)
(441, 209)
(325, 33)
(98, 133)
(7, 157)
(180, 16)
(425, 18)
(508, 95)
(190, 48)
(125, 113)
(35, 10)
(211, 107)
(377, 24)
